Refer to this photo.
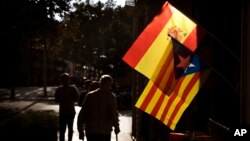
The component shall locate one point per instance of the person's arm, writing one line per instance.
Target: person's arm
(80, 125)
(81, 119)
(115, 115)
(75, 94)
(56, 95)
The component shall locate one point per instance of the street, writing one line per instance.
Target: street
(26, 100)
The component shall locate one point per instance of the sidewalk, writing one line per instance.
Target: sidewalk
(31, 98)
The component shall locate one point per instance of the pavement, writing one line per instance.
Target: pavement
(31, 98)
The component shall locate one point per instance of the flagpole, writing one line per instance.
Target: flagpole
(216, 71)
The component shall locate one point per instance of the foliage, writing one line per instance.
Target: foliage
(96, 35)
(92, 35)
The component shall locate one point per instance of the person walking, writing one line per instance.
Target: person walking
(66, 95)
(98, 114)
(84, 91)
(89, 86)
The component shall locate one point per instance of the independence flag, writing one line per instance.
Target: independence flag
(147, 53)
(167, 100)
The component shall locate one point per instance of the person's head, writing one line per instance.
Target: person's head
(106, 81)
(65, 78)
(87, 83)
(93, 85)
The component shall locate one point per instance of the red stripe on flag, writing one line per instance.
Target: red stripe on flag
(177, 108)
(190, 85)
(194, 38)
(178, 85)
(171, 80)
(147, 37)
(170, 101)
(164, 68)
(158, 105)
(148, 97)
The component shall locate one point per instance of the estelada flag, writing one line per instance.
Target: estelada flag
(167, 98)
(151, 47)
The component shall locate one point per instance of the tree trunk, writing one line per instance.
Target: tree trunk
(44, 71)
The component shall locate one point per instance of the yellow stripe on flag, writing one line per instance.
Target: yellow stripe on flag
(193, 91)
(168, 52)
(178, 116)
(163, 105)
(184, 84)
(183, 24)
(171, 109)
(151, 62)
(166, 76)
(153, 101)
(144, 94)
(187, 102)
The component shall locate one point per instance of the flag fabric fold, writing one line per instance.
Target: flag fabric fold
(164, 53)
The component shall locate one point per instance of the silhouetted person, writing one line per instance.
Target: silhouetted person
(90, 86)
(94, 85)
(84, 92)
(98, 114)
(66, 95)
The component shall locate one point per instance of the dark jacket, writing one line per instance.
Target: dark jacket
(66, 96)
(98, 113)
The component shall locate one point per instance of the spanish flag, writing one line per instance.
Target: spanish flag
(151, 47)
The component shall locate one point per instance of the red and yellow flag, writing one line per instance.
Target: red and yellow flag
(146, 53)
(174, 74)
(168, 109)
(167, 98)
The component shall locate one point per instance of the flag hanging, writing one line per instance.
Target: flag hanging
(152, 44)
(163, 53)
(167, 100)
